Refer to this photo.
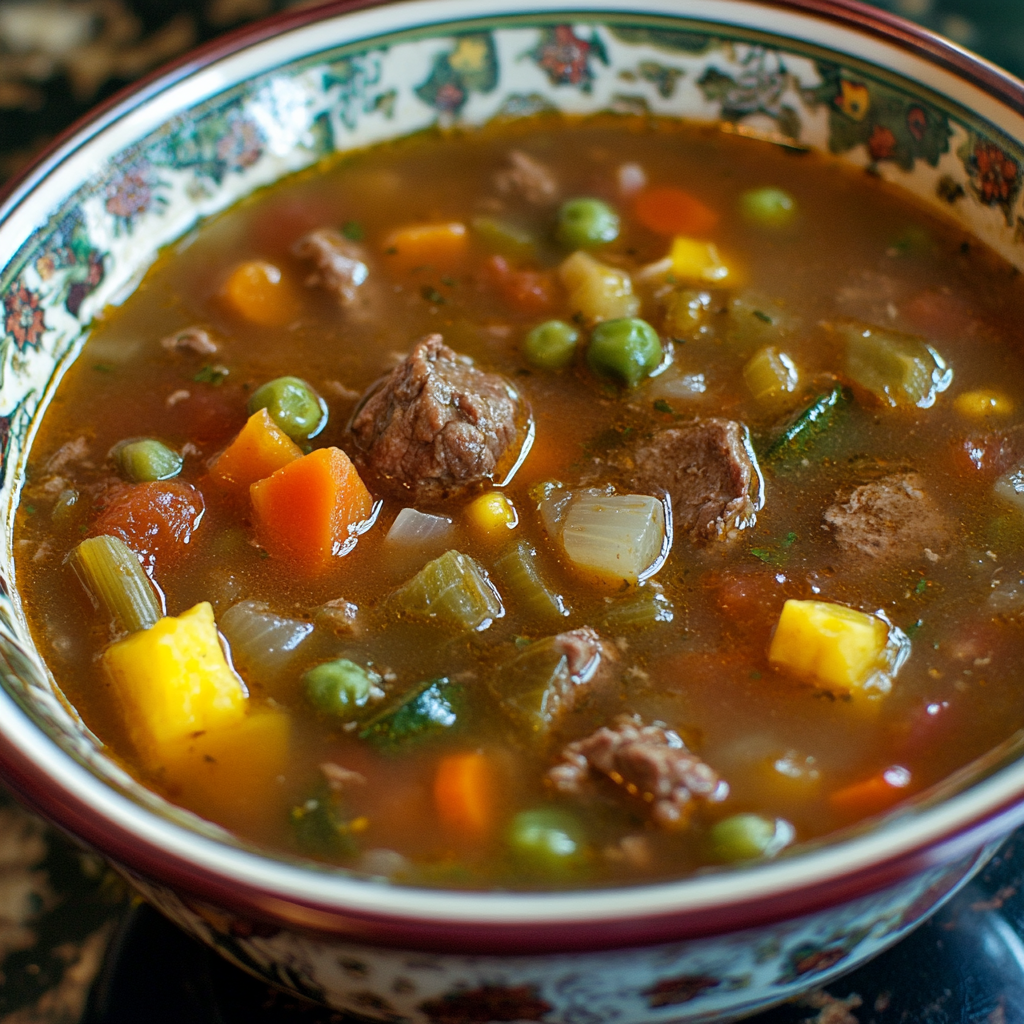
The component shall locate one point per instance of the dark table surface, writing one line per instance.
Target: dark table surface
(75, 948)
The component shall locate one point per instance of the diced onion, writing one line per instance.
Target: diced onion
(260, 639)
(413, 529)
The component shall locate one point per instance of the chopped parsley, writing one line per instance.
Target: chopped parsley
(213, 375)
(353, 231)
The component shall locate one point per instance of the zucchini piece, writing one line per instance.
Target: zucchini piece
(452, 591)
(320, 826)
(429, 709)
(804, 432)
(111, 572)
(519, 569)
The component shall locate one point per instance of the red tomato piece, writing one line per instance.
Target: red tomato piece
(530, 291)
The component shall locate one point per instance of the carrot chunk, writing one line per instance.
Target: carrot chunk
(261, 448)
(438, 246)
(671, 211)
(304, 510)
(258, 292)
(873, 795)
(531, 291)
(464, 792)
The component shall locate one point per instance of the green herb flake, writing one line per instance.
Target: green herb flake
(913, 628)
(212, 375)
(922, 586)
(431, 294)
(449, 282)
(764, 317)
(353, 231)
(30, 510)
(765, 554)
(790, 540)
(391, 250)
(661, 405)
(102, 368)
(755, 674)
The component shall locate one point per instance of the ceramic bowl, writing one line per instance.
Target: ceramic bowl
(81, 227)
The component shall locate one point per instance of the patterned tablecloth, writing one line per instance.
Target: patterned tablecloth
(60, 907)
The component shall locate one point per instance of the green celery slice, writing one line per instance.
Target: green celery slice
(453, 591)
(110, 571)
(518, 566)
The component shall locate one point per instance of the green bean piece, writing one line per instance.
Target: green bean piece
(551, 345)
(546, 840)
(145, 458)
(768, 207)
(898, 369)
(587, 223)
(452, 591)
(320, 826)
(431, 708)
(810, 426)
(339, 687)
(293, 405)
(110, 571)
(628, 350)
(504, 238)
(518, 567)
(643, 609)
(748, 837)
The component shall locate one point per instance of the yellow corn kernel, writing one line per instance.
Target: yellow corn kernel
(829, 645)
(491, 513)
(438, 246)
(597, 291)
(771, 376)
(981, 403)
(695, 260)
(173, 681)
(258, 292)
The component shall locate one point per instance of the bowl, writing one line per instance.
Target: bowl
(79, 229)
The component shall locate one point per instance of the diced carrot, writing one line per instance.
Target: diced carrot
(872, 795)
(438, 246)
(261, 448)
(258, 292)
(671, 211)
(464, 792)
(531, 291)
(304, 510)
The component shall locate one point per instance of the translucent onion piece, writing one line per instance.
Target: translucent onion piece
(113, 575)
(618, 535)
(260, 639)
(420, 531)
(453, 591)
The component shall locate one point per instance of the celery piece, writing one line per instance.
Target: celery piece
(518, 566)
(753, 323)
(144, 458)
(504, 238)
(339, 687)
(898, 369)
(112, 574)
(453, 591)
(771, 376)
(428, 709)
(638, 611)
(810, 426)
(320, 826)
(534, 687)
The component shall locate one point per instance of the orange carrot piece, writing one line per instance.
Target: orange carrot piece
(671, 211)
(261, 448)
(258, 292)
(304, 510)
(531, 291)
(873, 795)
(438, 246)
(464, 792)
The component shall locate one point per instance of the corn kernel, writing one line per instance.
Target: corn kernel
(981, 403)
(829, 645)
(491, 513)
(694, 260)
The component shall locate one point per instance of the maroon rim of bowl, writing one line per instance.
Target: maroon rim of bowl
(73, 813)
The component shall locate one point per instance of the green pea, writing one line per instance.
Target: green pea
(587, 223)
(147, 459)
(768, 207)
(293, 405)
(628, 350)
(551, 345)
(749, 836)
(339, 687)
(546, 839)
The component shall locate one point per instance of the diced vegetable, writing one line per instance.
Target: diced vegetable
(66, 507)
(548, 841)
(837, 648)
(527, 291)
(676, 386)
(419, 531)
(173, 681)
(518, 567)
(464, 793)
(982, 403)
(750, 836)
(688, 313)
(810, 426)
(597, 291)
(627, 350)
(587, 223)
(339, 616)
(340, 687)
(753, 322)
(771, 376)
(1010, 487)
(668, 210)
(551, 345)
(145, 458)
(452, 591)
(307, 511)
(638, 611)
(898, 369)
(505, 238)
(617, 536)
(438, 246)
(263, 642)
(258, 292)
(768, 207)
(491, 513)
(322, 828)
(427, 710)
(112, 574)
(261, 448)
(873, 795)
(293, 405)
(695, 260)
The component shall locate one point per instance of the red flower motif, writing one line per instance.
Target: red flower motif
(242, 144)
(917, 122)
(490, 1003)
(674, 991)
(23, 319)
(450, 97)
(819, 960)
(130, 194)
(882, 144)
(564, 57)
(997, 174)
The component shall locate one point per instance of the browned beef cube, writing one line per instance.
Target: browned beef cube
(339, 266)
(528, 178)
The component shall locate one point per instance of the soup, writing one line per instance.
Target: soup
(562, 503)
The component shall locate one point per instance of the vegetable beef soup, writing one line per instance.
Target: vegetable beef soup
(562, 503)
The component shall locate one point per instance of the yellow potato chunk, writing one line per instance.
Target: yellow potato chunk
(491, 513)
(596, 291)
(173, 681)
(829, 645)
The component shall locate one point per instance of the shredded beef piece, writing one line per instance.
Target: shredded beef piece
(583, 649)
(339, 263)
(649, 762)
(707, 467)
(889, 519)
(437, 426)
(527, 177)
(191, 339)
(338, 777)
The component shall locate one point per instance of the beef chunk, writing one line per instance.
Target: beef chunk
(191, 339)
(436, 426)
(889, 519)
(708, 469)
(338, 263)
(528, 178)
(649, 762)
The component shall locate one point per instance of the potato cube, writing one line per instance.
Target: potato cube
(829, 645)
(173, 681)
